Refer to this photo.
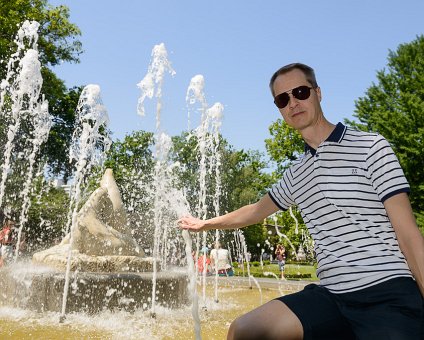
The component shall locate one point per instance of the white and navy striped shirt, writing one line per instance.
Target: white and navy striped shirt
(340, 189)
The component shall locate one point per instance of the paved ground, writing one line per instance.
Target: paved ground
(270, 283)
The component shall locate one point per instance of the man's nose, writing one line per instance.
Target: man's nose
(292, 101)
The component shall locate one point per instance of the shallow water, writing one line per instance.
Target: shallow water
(169, 324)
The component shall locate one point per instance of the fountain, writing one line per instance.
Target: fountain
(99, 254)
(109, 270)
(99, 271)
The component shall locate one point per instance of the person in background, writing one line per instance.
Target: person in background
(7, 240)
(2, 223)
(353, 197)
(203, 262)
(280, 255)
(220, 260)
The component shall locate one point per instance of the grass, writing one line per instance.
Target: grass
(291, 272)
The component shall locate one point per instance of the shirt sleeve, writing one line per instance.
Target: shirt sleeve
(384, 170)
(280, 193)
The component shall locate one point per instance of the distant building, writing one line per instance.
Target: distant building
(59, 183)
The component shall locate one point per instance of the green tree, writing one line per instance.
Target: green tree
(293, 238)
(284, 147)
(184, 151)
(285, 144)
(132, 163)
(243, 181)
(243, 176)
(57, 36)
(57, 43)
(47, 217)
(133, 154)
(394, 107)
(56, 150)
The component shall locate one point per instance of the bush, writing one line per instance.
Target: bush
(298, 276)
(300, 263)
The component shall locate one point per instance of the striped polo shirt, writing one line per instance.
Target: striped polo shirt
(340, 189)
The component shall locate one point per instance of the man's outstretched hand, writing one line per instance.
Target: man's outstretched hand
(191, 223)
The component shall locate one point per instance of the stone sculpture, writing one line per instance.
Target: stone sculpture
(102, 240)
(102, 223)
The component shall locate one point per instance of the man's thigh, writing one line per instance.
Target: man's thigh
(318, 313)
(273, 320)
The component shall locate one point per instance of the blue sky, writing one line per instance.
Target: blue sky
(236, 45)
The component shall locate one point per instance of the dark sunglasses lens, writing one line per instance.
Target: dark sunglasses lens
(301, 92)
(282, 100)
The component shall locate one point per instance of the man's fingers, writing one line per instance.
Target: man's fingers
(183, 223)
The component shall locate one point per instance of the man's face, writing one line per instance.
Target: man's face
(299, 114)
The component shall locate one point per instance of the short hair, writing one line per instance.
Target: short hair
(307, 71)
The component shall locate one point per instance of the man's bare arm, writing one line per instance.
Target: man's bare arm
(247, 215)
(411, 241)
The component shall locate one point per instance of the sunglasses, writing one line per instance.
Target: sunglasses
(302, 92)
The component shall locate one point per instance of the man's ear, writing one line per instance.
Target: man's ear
(318, 92)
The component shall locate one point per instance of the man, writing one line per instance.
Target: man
(352, 194)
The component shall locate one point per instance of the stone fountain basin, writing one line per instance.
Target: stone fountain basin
(40, 288)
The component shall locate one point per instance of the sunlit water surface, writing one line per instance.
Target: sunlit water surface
(169, 324)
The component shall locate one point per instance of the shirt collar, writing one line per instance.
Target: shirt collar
(336, 136)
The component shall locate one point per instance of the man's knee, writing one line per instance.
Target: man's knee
(274, 320)
(240, 329)
(236, 330)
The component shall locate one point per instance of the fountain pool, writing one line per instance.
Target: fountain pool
(236, 298)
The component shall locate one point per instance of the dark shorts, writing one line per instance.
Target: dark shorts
(392, 310)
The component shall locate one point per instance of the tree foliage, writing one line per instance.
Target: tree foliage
(62, 108)
(47, 217)
(242, 173)
(57, 36)
(285, 144)
(291, 237)
(57, 43)
(394, 107)
(243, 179)
(133, 154)
(284, 147)
(132, 163)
